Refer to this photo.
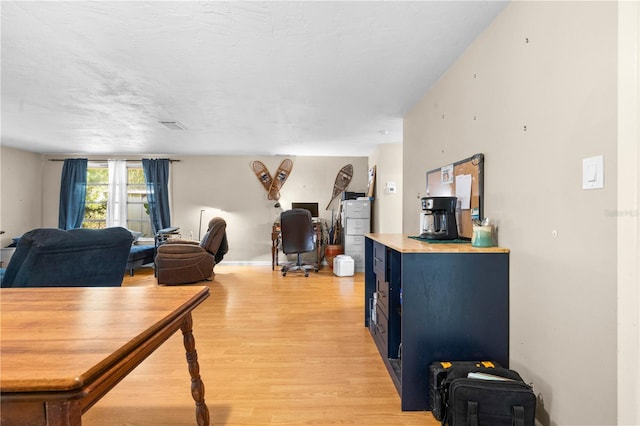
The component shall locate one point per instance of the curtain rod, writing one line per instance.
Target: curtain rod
(62, 159)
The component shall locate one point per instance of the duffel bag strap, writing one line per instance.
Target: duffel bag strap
(517, 415)
(472, 413)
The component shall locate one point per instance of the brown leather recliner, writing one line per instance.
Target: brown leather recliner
(183, 262)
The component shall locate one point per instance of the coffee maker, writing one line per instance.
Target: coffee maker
(438, 218)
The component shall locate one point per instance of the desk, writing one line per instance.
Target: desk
(64, 348)
(275, 243)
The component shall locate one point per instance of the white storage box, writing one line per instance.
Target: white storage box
(343, 266)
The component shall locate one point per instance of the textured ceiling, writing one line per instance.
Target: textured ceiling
(259, 78)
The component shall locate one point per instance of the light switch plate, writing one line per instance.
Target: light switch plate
(390, 188)
(593, 172)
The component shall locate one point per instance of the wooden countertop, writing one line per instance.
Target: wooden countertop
(404, 244)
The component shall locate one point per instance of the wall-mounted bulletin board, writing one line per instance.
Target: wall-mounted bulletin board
(463, 179)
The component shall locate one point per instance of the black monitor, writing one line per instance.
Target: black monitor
(312, 207)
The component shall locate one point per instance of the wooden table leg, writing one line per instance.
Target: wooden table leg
(197, 386)
(273, 254)
(319, 246)
(63, 413)
(275, 236)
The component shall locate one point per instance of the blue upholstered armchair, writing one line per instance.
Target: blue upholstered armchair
(50, 257)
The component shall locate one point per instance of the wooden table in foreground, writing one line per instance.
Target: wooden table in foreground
(62, 349)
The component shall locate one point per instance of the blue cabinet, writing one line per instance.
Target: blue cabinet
(435, 302)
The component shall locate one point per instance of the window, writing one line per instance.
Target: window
(95, 209)
(95, 212)
(137, 206)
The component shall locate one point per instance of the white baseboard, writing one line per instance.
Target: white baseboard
(253, 262)
(247, 262)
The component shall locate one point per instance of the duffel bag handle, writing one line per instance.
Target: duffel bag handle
(517, 415)
(472, 413)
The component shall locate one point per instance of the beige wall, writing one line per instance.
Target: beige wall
(20, 192)
(628, 213)
(552, 67)
(387, 207)
(226, 186)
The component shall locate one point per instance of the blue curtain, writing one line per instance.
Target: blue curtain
(156, 175)
(73, 191)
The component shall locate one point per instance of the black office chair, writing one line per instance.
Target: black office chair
(298, 236)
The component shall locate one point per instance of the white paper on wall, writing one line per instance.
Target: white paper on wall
(446, 174)
(463, 191)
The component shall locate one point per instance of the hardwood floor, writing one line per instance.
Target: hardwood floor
(273, 350)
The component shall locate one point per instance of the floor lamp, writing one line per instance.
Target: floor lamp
(200, 224)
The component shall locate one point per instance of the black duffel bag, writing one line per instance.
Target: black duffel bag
(475, 398)
(438, 373)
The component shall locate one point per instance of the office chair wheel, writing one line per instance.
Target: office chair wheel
(306, 273)
(284, 273)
